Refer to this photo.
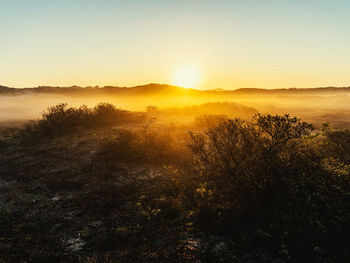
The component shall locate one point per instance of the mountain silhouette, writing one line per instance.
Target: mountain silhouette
(165, 89)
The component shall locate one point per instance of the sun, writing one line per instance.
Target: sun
(186, 77)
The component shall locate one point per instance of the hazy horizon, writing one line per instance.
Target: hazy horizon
(163, 84)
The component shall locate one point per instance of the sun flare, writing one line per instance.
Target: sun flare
(186, 77)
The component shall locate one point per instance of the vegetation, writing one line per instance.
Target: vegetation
(209, 120)
(60, 119)
(268, 189)
(142, 146)
(290, 188)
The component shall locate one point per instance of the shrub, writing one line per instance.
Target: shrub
(105, 114)
(272, 174)
(209, 120)
(61, 120)
(240, 157)
(139, 147)
(336, 143)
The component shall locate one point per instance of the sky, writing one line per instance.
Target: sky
(230, 43)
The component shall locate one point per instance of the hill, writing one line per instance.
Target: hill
(164, 89)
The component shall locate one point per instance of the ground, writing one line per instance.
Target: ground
(59, 205)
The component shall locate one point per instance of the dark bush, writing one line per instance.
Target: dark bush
(62, 120)
(242, 159)
(272, 178)
(336, 143)
(139, 147)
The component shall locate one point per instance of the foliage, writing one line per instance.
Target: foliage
(270, 189)
(62, 120)
(289, 185)
(241, 157)
(139, 147)
(209, 120)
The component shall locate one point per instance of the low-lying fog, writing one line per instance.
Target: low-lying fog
(14, 109)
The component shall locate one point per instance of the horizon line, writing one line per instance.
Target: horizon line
(164, 84)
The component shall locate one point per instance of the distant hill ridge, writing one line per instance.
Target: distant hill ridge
(154, 89)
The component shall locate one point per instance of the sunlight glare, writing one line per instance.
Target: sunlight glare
(186, 77)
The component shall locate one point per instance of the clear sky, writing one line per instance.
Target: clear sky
(232, 44)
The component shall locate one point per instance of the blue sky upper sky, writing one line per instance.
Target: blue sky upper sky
(232, 44)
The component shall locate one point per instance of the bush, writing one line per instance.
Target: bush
(61, 120)
(241, 158)
(336, 143)
(209, 120)
(273, 179)
(139, 147)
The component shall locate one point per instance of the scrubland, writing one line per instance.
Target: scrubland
(216, 182)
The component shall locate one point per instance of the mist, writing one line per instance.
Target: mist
(183, 106)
